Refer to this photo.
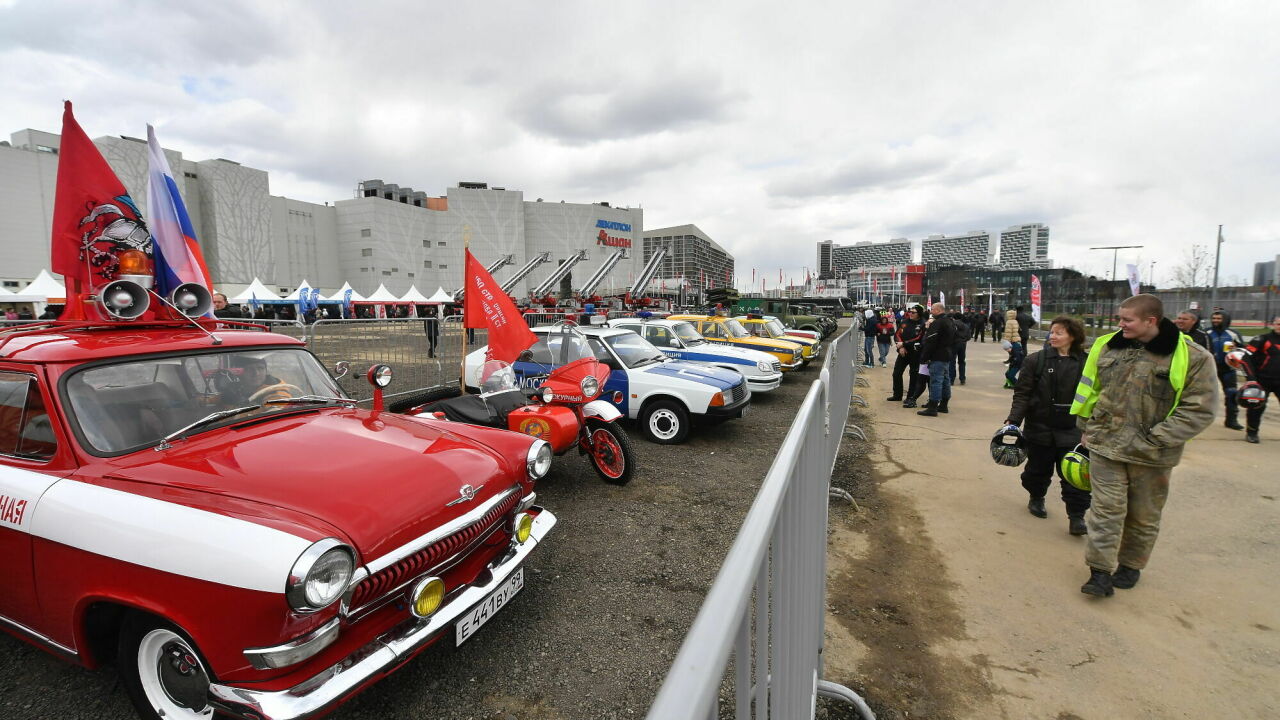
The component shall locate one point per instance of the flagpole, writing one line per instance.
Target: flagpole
(466, 249)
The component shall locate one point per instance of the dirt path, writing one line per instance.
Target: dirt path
(948, 600)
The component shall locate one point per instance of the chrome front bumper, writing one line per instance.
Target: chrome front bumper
(335, 684)
(764, 383)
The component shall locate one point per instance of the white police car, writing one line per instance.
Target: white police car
(678, 339)
(663, 395)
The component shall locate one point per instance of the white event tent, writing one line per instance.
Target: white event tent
(46, 288)
(256, 292)
(441, 296)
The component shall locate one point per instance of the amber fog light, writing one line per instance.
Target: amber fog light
(523, 527)
(427, 595)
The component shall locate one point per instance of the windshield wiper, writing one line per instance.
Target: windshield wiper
(311, 400)
(211, 417)
(648, 361)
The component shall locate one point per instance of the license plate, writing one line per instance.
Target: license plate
(488, 607)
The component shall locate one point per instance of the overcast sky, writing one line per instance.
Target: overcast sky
(771, 126)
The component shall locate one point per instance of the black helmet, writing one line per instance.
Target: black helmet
(1251, 395)
(1008, 446)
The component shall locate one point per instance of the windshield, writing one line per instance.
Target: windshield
(128, 405)
(685, 332)
(735, 329)
(633, 350)
(776, 328)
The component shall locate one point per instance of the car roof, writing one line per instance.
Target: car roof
(590, 331)
(76, 342)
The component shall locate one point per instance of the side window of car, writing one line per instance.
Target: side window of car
(712, 330)
(659, 336)
(633, 328)
(25, 428)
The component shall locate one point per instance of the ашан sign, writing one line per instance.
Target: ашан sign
(605, 238)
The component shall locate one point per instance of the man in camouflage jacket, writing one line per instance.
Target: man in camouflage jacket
(1144, 393)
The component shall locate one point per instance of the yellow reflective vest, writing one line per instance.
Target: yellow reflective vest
(1087, 391)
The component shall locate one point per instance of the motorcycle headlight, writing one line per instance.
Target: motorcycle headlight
(320, 575)
(547, 394)
(590, 386)
(764, 366)
(538, 461)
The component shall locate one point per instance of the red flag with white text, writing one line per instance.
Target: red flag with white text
(485, 305)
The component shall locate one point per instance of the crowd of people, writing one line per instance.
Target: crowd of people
(1121, 409)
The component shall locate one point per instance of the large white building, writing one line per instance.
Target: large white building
(1025, 246)
(385, 235)
(837, 261)
(971, 248)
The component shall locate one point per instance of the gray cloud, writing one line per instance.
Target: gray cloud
(619, 108)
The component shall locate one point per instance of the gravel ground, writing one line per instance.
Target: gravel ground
(607, 598)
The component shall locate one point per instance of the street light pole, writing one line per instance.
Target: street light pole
(1115, 253)
(1217, 260)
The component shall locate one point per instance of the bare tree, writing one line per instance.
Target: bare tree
(1195, 269)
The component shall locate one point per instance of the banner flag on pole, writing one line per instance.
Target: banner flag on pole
(1035, 298)
(177, 252)
(486, 306)
(1135, 286)
(942, 297)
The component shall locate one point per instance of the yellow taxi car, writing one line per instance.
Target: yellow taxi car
(763, 327)
(728, 331)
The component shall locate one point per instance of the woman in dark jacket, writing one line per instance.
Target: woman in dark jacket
(1042, 405)
(910, 333)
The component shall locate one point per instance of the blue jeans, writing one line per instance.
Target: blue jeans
(866, 350)
(939, 382)
(884, 351)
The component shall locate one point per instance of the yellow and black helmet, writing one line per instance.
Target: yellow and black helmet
(1074, 468)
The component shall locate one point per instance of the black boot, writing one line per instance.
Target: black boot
(942, 406)
(1099, 584)
(909, 403)
(1035, 506)
(1233, 424)
(1251, 435)
(930, 410)
(1076, 526)
(894, 398)
(1125, 577)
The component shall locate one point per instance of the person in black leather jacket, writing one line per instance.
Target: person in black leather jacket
(910, 333)
(936, 352)
(1042, 406)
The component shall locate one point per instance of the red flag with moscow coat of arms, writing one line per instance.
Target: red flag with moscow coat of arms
(485, 305)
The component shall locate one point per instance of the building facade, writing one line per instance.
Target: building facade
(1025, 246)
(384, 235)
(971, 248)
(1265, 273)
(837, 261)
(692, 256)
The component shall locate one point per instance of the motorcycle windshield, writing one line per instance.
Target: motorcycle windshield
(497, 376)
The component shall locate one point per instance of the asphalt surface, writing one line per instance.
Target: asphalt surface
(607, 599)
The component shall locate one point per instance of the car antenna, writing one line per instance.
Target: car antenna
(216, 340)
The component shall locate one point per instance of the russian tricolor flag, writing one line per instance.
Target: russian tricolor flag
(177, 253)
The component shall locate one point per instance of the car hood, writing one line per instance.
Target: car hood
(677, 370)
(711, 348)
(383, 479)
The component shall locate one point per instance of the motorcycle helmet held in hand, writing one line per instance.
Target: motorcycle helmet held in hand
(1074, 468)
(1251, 395)
(1008, 446)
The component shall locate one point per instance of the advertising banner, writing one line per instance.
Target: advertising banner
(1035, 297)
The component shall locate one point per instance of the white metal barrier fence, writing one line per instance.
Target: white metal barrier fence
(780, 555)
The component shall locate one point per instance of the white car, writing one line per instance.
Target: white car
(663, 395)
(679, 340)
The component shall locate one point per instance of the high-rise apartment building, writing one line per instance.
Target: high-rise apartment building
(1265, 273)
(1025, 246)
(691, 255)
(971, 248)
(836, 261)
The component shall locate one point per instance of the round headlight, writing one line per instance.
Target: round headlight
(320, 575)
(380, 375)
(538, 461)
(427, 596)
(547, 394)
(590, 386)
(764, 366)
(523, 527)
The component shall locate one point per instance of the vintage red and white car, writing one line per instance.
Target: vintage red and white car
(214, 514)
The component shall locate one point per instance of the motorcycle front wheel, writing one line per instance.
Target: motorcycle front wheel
(610, 451)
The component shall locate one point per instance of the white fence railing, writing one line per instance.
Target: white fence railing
(779, 558)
